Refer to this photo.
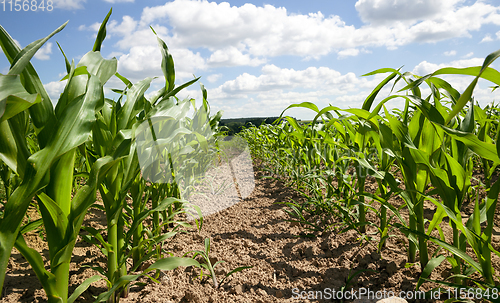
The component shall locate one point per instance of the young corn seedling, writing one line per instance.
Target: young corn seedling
(209, 267)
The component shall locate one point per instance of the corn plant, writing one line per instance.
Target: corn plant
(450, 169)
(48, 173)
(46, 163)
(432, 145)
(208, 266)
(117, 129)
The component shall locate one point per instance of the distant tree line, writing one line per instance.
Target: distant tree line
(237, 124)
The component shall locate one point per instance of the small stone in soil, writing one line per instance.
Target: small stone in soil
(198, 237)
(391, 268)
(192, 297)
(238, 289)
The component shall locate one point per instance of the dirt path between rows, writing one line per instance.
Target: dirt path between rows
(251, 233)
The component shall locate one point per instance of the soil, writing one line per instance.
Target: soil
(254, 232)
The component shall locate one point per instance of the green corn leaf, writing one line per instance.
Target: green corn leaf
(16, 131)
(169, 263)
(295, 125)
(166, 95)
(124, 80)
(497, 144)
(84, 197)
(134, 95)
(440, 83)
(59, 220)
(75, 87)
(490, 207)
(382, 71)
(467, 94)
(41, 113)
(101, 34)
(414, 84)
(8, 148)
(64, 254)
(455, 251)
(83, 287)
(13, 97)
(23, 58)
(68, 65)
(207, 246)
(379, 106)
(98, 66)
(167, 64)
(33, 225)
(488, 73)
(438, 217)
(367, 104)
(308, 105)
(97, 235)
(81, 70)
(75, 124)
(483, 149)
(46, 278)
(238, 269)
(431, 265)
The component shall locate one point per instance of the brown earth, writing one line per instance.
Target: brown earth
(251, 233)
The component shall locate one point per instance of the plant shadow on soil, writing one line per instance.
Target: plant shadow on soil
(254, 233)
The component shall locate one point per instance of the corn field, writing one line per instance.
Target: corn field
(60, 159)
(424, 154)
(47, 151)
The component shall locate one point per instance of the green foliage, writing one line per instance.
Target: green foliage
(433, 147)
(237, 125)
(61, 156)
(208, 266)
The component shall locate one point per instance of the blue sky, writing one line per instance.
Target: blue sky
(256, 58)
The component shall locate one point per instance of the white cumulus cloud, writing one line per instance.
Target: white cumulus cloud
(387, 11)
(275, 88)
(424, 67)
(127, 25)
(214, 35)
(350, 52)
(468, 55)
(55, 89)
(214, 77)
(94, 27)
(487, 38)
(272, 31)
(44, 52)
(231, 56)
(69, 4)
